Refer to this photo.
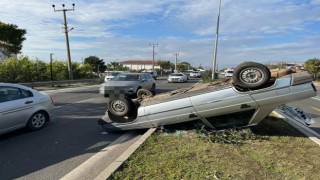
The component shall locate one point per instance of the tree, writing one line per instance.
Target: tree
(165, 64)
(11, 38)
(116, 66)
(95, 64)
(313, 65)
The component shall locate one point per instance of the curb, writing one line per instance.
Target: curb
(314, 136)
(124, 156)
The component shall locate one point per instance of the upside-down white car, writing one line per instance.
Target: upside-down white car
(244, 100)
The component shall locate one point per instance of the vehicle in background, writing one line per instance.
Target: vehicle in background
(195, 74)
(21, 106)
(111, 74)
(128, 84)
(228, 73)
(245, 100)
(177, 77)
(187, 74)
(152, 72)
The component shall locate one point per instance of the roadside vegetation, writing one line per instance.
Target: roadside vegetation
(271, 150)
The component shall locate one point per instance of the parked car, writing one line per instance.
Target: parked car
(111, 74)
(245, 100)
(128, 84)
(228, 73)
(177, 77)
(195, 74)
(21, 106)
(153, 73)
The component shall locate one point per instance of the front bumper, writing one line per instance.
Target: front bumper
(175, 80)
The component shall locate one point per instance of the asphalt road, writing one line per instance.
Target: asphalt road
(71, 138)
(311, 106)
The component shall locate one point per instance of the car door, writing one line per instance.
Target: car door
(223, 101)
(147, 83)
(15, 108)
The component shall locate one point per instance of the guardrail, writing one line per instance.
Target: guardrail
(60, 83)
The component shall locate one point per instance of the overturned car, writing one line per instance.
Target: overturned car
(245, 100)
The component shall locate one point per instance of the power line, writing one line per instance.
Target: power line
(216, 45)
(66, 30)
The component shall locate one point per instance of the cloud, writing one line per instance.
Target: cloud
(264, 30)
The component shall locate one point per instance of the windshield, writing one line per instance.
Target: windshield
(176, 75)
(126, 77)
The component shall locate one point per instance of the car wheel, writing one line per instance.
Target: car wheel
(119, 106)
(251, 75)
(37, 121)
(153, 89)
(144, 93)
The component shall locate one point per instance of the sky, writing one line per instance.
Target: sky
(265, 31)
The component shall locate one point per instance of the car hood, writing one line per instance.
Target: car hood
(120, 83)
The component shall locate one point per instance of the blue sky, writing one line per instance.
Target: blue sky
(266, 31)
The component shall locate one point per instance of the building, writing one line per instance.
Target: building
(140, 64)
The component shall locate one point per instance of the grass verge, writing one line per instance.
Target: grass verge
(271, 150)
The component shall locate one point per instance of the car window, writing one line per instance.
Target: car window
(26, 93)
(177, 75)
(231, 120)
(126, 77)
(144, 76)
(148, 76)
(10, 94)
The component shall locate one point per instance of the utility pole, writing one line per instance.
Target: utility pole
(66, 30)
(51, 72)
(175, 67)
(216, 45)
(153, 53)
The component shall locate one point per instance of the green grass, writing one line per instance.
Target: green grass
(271, 150)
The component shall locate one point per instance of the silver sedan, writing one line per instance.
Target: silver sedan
(21, 106)
(245, 101)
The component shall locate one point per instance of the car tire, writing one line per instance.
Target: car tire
(37, 121)
(144, 93)
(251, 75)
(153, 89)
(119, 106)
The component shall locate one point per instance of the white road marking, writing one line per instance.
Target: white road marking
(316, 98)
(79, 171)
(70, 89)
(315, 108)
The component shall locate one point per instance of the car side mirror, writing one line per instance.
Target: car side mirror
(143, 80)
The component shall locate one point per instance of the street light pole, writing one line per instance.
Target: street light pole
(51, 72)
(66, 30)
(216, 45)
(175, 67)
(153, 53)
